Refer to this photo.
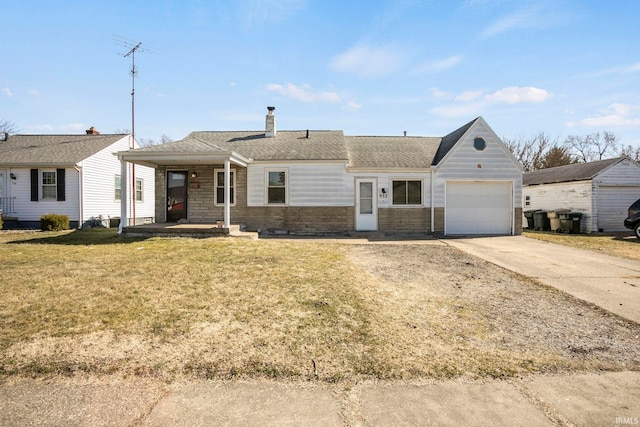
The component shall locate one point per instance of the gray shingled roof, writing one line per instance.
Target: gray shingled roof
(450, 140)
(574, 172)
(26, 150)
(391, 151)
(286, 145)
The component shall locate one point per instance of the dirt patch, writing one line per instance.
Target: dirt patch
(499, 312)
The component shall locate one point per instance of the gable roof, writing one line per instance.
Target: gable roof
(35, 150)
(391, 151)
(450, 140)
(286, 145)
(568, 173)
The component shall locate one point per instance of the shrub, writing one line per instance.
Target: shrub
(54, 222)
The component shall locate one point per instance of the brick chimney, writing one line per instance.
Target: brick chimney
(271, 123)
(92, 131)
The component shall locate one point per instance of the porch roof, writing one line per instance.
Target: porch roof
(242, 147)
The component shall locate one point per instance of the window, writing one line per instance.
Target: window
(220, 187)
(49, 185)
(527, 201)
(139, 189)
(117, 188)
(277, 187)
(407, 192)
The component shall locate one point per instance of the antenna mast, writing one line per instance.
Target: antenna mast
(132, 54)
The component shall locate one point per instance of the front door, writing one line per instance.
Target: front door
(177, 186)
(366, 205)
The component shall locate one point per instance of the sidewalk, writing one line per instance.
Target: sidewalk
(582, 400)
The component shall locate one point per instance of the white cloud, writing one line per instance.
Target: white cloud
(353, 106)
(437, 93)
(438, 66)
(615, 115)
(517, 95)
(470, 95)
(531, 17)
(624, 69)
(232, 84)
(34, 92)
(304, 93)
(7, 92)
(368, 62)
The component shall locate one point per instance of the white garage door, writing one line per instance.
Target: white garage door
(478, 208)
(613, 203)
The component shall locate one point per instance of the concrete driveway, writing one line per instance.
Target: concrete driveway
(608, 282)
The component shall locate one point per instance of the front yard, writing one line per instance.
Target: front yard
(89, 302)
(623, 245)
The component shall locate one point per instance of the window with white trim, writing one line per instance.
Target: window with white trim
(117, 188)
(406, 192)
(219, 197)
(49, 185)
(527, 201)
(277, 187)
(139, 189)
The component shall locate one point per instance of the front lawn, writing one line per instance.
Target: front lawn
(623, 245)
(90, 302)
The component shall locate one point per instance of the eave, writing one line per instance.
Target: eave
(154, 160)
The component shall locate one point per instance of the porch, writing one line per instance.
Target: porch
(197, 230)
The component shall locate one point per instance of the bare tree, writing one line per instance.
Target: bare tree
(147, 142)
(533, 152)
(631, 152)
(7, 126)
(592, 147)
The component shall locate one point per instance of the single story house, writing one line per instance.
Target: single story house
(310, 181)
(73, 175)
(602, 191)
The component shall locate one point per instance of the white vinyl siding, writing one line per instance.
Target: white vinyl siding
(575, 196)
(309, 184)
(492, 167)
(26, 210)
(98, 196)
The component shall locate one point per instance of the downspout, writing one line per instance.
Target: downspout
(78, 168)
(433, 173)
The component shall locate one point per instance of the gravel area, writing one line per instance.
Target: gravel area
(518, 313)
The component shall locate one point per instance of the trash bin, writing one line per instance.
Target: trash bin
(576, 217)
(540, 221)
(570, 222)
(554, 219)
(529, 216)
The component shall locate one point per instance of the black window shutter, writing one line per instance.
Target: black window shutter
(34, 185)
(60, 184)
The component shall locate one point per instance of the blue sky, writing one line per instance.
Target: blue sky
(365, 67)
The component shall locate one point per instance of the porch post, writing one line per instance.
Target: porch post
(123, 196)
(227, 194)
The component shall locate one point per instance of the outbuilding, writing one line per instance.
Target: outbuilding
(602, 191)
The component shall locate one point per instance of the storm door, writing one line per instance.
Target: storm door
(366, 205)
(177, 190)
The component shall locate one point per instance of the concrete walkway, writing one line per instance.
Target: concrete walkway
(608, 282)
(581, 400)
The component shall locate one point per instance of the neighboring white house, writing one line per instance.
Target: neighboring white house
(313, 181)
(602, 191)
(73, 175)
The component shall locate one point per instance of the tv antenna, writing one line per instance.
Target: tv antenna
(132, 47)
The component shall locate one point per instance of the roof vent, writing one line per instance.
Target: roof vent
(270, 130)
(92, 131)
(4, 136)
